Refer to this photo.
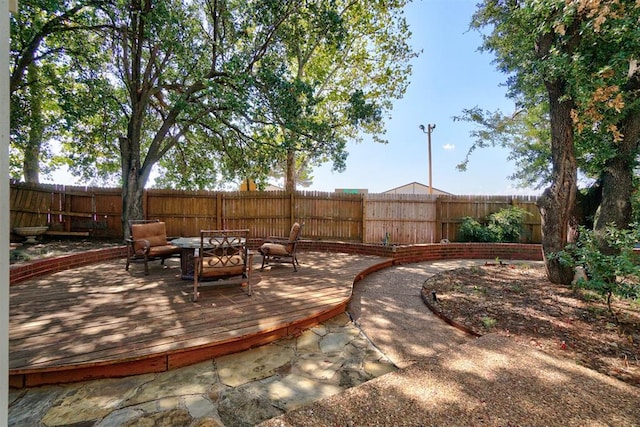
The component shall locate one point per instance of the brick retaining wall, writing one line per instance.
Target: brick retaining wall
(21, 272)
(430, 252)
(397, 254)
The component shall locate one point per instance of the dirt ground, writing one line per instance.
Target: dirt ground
(519, 302)
(46, 248)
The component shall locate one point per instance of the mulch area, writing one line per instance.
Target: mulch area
(518, 301)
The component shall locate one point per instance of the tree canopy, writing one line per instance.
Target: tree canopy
(208, 91)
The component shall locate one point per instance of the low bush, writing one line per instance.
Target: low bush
(506, 225)
(612, 274)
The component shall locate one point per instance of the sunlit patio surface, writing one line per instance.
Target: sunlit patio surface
(101, 321)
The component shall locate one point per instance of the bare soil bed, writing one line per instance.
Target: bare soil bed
(47, 248)
(518, 301)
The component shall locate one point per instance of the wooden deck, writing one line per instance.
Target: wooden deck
(100, 321)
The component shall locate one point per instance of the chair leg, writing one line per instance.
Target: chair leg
(293, 261)
(249, 268)
(129, 256)
(264, 258)
(195, 283)
(146, 266)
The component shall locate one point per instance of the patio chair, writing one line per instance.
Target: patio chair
(280, 249)
(223, 254)
(147, 242)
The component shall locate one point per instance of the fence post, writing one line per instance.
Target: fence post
(145, 203)
(364, 219)
(219, 211)
(438, 221)
(292, 208)
(67, 210)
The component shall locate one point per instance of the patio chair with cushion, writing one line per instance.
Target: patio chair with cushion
(280, 249)
(147, 242)
(223, 254)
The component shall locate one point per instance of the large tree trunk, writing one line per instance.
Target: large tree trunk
(134, 177)
(132, 194)
(31, 159)
(31, 162)
(290, 179)
(557, 202)
(617, 184)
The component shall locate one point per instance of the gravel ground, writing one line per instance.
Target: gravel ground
(450, 380)
(489, 382)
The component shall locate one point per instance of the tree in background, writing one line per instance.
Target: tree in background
(334, 69)
(577, 58)
(220, 115)
(353, 58)
(208, 90)
(37, 60)
(525, 133)
(28, 128)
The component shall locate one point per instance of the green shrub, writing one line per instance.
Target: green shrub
(472, 231)
(18, 255)
(616, 274)
(506, 225)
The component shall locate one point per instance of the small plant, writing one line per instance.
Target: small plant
(588, 295)
(475, 269)
(478, 290)
(18, 255)
(488, 322)
(507, 224)
(516, 287)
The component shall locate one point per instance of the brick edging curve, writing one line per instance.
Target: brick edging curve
(401, 254)
(21, 272)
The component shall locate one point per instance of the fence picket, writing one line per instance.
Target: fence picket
(367, 218)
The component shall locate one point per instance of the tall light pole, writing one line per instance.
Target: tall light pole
(428, 131)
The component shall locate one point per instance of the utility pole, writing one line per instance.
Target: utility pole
(428, 131)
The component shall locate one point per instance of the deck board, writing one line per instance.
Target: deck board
(101, 315)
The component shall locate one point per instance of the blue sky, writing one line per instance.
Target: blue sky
(448, 76)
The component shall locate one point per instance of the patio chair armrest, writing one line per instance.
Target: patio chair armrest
(146, 244)
(277, 239)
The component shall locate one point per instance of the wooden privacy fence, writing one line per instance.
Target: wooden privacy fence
(363, 218)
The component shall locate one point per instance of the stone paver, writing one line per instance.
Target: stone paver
(236, 390)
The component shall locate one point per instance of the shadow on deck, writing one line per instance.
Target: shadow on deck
(99, 321)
